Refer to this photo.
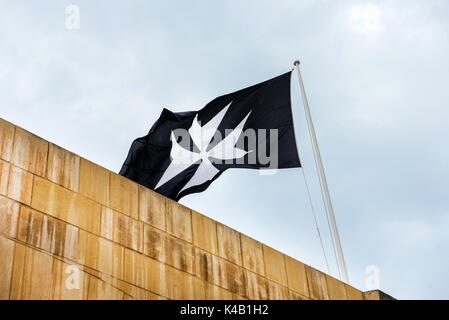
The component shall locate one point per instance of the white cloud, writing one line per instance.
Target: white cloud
(416, 234)
(366, 19)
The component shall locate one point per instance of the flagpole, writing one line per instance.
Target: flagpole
(333, 222)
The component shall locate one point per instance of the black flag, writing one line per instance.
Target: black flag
(184, 152)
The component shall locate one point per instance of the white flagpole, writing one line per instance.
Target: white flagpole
(336, 237)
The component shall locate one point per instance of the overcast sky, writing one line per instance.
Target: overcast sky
(376, 75)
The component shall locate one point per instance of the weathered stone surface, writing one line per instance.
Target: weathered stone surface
(69, 282)
(66, 205)
(179, 222)
(277, 291)
(100, 290)
(183, 286)
(155, 276)
(204, 232)
(6, 139)
(31, 277)
(228, 276)
(180, 254)
(124, 196)
(130, 267)
(237, 297)
(94, 182)
(49, 234)
(89, 250)
(105, 256)
(256, 286)
(229, 244)
(135, 271)
(131, 291)
(144, 272)
(371, 295)
(275, 265)
(20, 185)
(155, 243)
(252, 254)
(296, 296)
(152, 208)
(9, 216)
(63, 167)
(377, 295)
(122, 229)
(170, 250)
(66, 241)
(335, 288)
(31, 224)
(316, 281)
(118, 256)
(296, 275)
(128, 289)
(6, 263)
(107, 223)
(217, 293)
(203, 265)
(153, 296)
(4, 177)
(353, 293)
(30, 152)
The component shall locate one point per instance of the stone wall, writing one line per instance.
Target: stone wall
(70, 229)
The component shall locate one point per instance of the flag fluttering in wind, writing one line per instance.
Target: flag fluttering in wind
(184, 152)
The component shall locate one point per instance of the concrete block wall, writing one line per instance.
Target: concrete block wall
(60, 212)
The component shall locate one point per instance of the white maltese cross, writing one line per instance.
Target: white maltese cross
(182, 158)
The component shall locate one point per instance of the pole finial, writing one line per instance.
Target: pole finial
(296, 63)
